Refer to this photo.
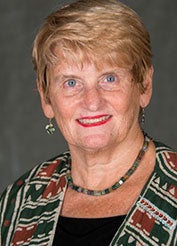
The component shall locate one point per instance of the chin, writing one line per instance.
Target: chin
(95, 143)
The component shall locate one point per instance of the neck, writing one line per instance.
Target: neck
(90, 169)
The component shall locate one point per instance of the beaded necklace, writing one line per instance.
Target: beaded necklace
(118, 183)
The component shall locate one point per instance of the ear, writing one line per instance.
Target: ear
(46, 106)
(145, 96)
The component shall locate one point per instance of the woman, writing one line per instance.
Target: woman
(115, 185)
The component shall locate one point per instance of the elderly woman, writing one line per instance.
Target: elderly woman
(115, 185)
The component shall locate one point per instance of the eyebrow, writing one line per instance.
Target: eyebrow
(61, 77)
(114, 71)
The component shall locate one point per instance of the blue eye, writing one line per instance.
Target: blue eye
(110, 78)
(71, 83)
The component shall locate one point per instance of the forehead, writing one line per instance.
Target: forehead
(82, 57)
(86, 69)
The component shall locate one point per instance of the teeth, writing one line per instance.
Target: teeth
(92, 121)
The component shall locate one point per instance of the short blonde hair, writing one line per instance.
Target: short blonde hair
(98, 30)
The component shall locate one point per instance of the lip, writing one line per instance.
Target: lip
(91, 121)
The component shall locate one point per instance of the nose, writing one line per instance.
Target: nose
(92, 98)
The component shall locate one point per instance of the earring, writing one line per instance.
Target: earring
(142, 116)
(50, 127)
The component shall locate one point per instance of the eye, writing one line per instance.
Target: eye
(72, 87)
(109, 82)
(71, 83)
(110, 78)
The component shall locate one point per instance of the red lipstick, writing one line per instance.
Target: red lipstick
(96, 120)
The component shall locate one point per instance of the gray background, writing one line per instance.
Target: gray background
(23, 141)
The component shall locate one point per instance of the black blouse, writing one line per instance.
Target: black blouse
(86, 232)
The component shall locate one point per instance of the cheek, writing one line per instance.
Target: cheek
(63, 112)
(124, 102)
(64, 107)
(127, 104)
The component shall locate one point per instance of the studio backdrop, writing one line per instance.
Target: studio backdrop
(23, 140)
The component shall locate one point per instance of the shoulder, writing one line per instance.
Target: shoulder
(31, 194)
(41, 173)
(166, 155)
(166, 158)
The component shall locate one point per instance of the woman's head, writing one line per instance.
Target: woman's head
(101, 31)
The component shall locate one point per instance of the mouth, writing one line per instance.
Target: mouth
(94, 120)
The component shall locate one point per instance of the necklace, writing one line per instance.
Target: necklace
(118, 183)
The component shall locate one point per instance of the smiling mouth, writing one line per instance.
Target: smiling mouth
(94, 121)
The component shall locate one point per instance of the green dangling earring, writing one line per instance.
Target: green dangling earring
(142, 116)
(50, 127)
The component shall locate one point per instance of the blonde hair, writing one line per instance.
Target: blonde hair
(98, 30)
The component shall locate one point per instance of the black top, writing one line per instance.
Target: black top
(86, 232)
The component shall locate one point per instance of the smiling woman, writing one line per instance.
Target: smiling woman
(115, 185)
(111, 106)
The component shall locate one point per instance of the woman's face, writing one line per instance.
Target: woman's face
(94, 108)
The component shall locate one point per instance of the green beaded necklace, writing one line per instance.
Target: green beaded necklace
(118, 183)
